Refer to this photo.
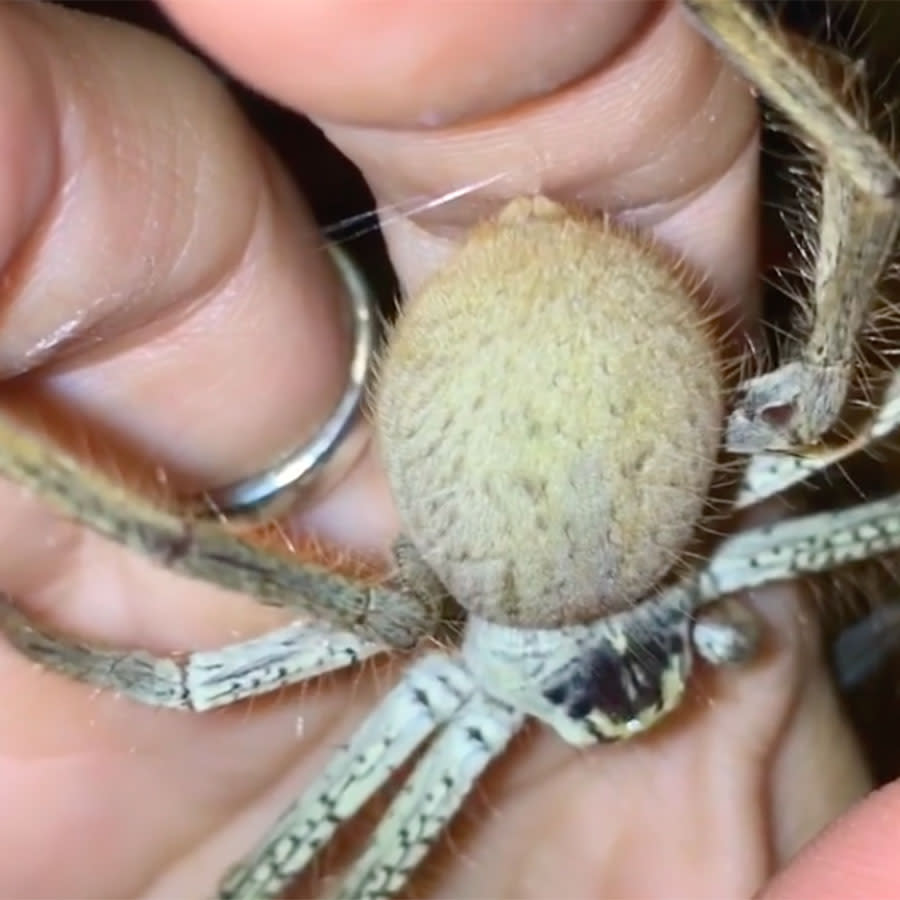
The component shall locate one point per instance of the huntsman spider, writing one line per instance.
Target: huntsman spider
(526, 458)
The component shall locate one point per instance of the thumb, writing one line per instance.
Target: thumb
(620, 107)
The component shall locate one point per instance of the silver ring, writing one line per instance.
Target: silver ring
(307, 472)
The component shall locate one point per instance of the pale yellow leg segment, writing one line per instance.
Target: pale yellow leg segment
(431, 692)
(431, 798)
(803, 546)
(859, 218)
(198, 681)
(768, 474)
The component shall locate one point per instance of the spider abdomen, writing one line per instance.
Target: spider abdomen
(550, 413)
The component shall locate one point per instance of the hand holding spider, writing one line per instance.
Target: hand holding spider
(252, 288)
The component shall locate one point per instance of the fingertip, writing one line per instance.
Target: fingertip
(853, 859)
(165, 278)
(431, 64)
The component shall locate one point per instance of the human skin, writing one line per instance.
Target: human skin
(136, 207)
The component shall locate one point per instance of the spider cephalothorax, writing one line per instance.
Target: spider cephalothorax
(553, 499)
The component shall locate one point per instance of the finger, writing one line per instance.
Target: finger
(855, 859)
(431, 64)
(818, 768)
(164, 279)
(650, 123)
(623, 140)
(163, 283)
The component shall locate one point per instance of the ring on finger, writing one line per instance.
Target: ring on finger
(309, 471)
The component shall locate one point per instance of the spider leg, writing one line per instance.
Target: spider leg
(430, 693)
(199, 681)
(726, 632)
(604, 681)
(642, 661)
(442, 779)
(802, 546)
(858, 224)
(768, 474)
(201, 549)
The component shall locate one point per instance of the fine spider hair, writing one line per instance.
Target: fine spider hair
(539, 574)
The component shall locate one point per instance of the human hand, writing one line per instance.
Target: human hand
(154, 253)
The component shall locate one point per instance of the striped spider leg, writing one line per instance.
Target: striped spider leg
(537, 522)
(605, 681)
